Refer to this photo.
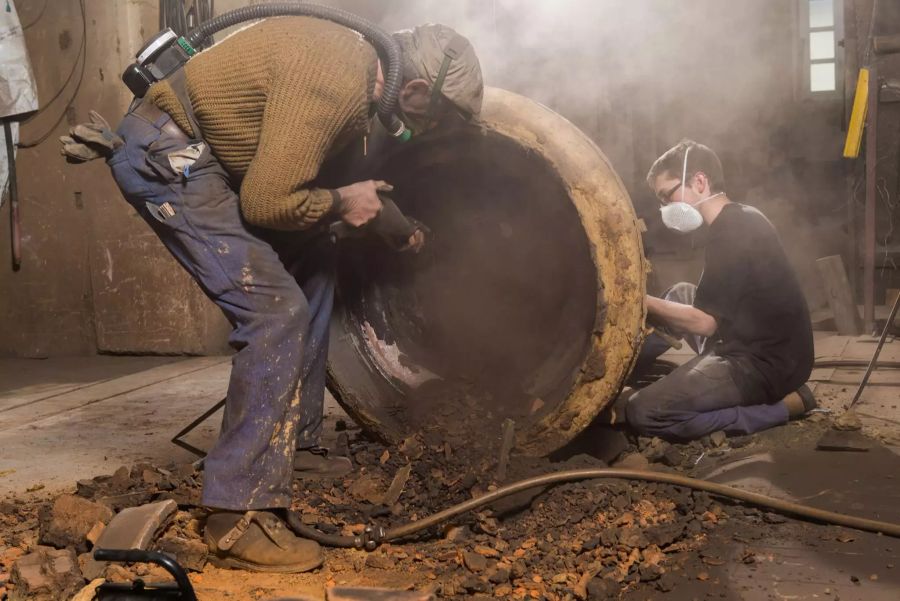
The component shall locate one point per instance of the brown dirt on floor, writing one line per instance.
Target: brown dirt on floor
(586, 540)
(611, 537)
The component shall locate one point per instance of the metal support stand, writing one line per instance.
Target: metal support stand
(176, 440)
(874, 361)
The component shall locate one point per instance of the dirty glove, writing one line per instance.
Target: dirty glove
(397, 230)
(391, 225)
(89, 141)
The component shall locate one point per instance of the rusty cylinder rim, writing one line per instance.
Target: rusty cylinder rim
(611, 227)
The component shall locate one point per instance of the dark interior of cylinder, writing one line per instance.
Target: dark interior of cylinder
(499, 305)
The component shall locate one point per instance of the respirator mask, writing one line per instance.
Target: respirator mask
(681, 216)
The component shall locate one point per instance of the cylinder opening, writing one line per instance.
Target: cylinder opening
(499, 308)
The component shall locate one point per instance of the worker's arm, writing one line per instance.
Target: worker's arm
(304, 114)
(682, 318)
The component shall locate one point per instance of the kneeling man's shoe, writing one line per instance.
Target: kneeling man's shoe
(258, 541)
(316, 462)
(800, 402)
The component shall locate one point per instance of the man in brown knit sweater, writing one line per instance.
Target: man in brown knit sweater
(217, 160)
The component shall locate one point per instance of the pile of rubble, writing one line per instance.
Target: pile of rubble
(45, 548)
(586, 540)
(583, 540)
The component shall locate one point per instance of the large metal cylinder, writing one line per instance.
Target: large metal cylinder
(529, 294)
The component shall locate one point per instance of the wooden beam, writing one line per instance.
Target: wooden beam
(886, 44)
(869, 220)
(840, 295)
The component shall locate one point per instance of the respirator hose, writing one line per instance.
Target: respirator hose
(722, 490)
(385, 45)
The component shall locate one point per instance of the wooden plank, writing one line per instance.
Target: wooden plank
(30, 412)
(840, 296)
(80, 436)
(887, 44)
(26, 380)
(869, 216)
(822, 374)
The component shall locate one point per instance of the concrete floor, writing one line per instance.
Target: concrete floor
(66, 419)
(70, 418)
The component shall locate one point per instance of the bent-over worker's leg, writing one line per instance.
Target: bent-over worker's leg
(696, 399)
(311, 260)
(250, 466)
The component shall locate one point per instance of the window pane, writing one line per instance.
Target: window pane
(821, 13)
(821, 45)
(822, 77)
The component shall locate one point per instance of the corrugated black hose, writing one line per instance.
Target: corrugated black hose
(387, 48)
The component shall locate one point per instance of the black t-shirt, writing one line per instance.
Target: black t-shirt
(751, 290)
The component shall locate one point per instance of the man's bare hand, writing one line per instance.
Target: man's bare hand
(359, 202)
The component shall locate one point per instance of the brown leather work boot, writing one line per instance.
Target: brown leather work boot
(315, 462)
(258, 541)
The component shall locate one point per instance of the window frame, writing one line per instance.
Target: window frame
(804, 31)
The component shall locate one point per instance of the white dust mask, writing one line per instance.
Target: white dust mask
(680, 216)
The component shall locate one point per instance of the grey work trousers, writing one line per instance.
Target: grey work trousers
(699, 397)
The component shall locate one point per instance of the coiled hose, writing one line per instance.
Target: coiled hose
(387, 48)
(375, 536)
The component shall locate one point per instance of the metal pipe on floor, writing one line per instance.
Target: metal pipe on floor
(787, 507)
(874, 361)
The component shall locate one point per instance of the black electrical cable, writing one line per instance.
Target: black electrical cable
(788, 507)
(38, 18)
(82, 50)
(206, 10)
(172, 15)
(180, 17)
(83, 55)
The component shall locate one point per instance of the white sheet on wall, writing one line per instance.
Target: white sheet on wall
(18, 92)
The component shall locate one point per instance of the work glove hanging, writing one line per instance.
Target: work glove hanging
(89, 141)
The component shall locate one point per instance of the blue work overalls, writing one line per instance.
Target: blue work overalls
(276, 289)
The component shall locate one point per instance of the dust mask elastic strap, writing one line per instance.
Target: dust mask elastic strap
(684, 182)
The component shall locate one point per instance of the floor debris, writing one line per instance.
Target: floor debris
(375, 594)
(844, 440)
(71, 521)
(136, 527)
(47, 574)
(584, 540)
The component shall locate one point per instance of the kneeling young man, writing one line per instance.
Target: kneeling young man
(747, 319)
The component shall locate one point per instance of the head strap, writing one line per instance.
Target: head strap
(454, 49)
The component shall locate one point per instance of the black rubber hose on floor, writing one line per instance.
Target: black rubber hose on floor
(786, 507)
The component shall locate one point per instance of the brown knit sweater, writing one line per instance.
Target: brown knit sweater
(273, 100)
